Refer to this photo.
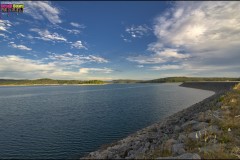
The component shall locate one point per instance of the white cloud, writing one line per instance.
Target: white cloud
(137, 31)
(171, 53)
(73, 31)
(96, 59)
(140, 66)
(202, 36)
(13, 66)
(159, 57)
(2, 28)
(126, 40)
(99, 70)
(78, 45)
(70, 59)
(74, 24)
(200, 26)
(166, 67)
(151, 59)
(21, 47)
(21, 35)
(5, 25)
(41, 10)
(48, 36)
(3, 35)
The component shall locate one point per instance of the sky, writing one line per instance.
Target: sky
(120, 40)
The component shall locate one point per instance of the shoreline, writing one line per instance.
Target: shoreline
(53, 85)
(144, 142)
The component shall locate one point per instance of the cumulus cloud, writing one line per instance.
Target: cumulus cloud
(13, 66)
(41, 10)
(159, 57)
(21, 47)
(78, 45)
(204, 36)
(48, 36)
(74, 24)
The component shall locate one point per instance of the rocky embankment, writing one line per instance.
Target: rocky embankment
(184, 135)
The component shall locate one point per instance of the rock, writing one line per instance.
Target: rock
(182, 120)
(147, 145)
(189, 156)
(225, 107)
(165, 158)
(188, 124)
(227, 112)
(169, 143)
(130, 153)
(212, 148)
(182, 138)
(209, 130)
(178, 149)
(208, 116)
(200, 126)
(201, 116)
(110, 155)
(164, 137)
(217, 114)
(177, 128)
(194, 135)
(213, 129)
(205, 117)
(219, 104)
(183, 156)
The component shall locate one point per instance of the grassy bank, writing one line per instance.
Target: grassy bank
(217, 135)
(11, 82)
(227, 140)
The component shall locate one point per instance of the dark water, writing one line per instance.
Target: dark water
(69, 121)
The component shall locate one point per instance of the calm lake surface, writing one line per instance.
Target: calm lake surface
(69, 121)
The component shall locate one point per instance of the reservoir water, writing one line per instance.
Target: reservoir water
(61, 122)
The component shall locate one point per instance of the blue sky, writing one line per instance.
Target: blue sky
(120, 40)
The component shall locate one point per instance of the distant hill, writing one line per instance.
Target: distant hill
(46, 81)
(126, 81)
(190, 79)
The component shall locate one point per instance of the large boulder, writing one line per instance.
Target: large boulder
(182, 138)
(178, 149)
(200, 126)
(183, 156)
(189, 156)
(188, 124)
(168, 144)
(209, 130)
(205, 116)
